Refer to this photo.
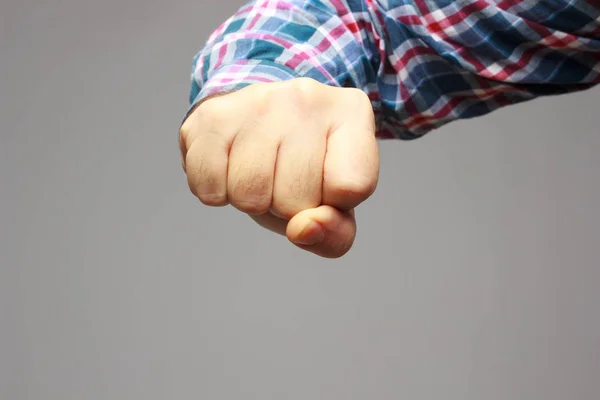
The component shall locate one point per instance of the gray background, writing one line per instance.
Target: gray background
(475, 273)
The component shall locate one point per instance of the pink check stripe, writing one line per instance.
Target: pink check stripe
(422, 63)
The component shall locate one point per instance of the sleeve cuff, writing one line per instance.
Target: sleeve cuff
(233, 77)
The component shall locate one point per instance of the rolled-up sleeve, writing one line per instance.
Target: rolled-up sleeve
(422, 63)
(277, 40)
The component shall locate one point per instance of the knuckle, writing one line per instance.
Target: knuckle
(360, 105)
(208, 107)
(359, 98)
(298, 93)
(305, 85)
(307, 93)
(184, 131)
(212, 119)
(357, 94)
(210, 116)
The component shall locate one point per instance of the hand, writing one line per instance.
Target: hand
(297, 156)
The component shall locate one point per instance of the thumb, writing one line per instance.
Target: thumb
(324, 231)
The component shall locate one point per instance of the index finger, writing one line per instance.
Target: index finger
(351, 168)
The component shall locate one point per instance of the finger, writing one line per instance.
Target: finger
(299, 172)
(351, 168)
(205, 139)
(324, 231)
(204, 116)
(206, 168)
(251, 169)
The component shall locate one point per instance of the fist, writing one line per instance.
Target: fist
(297, 156)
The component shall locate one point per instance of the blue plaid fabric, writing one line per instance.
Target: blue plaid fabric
(422, 63)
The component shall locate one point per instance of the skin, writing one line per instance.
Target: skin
(296, 156)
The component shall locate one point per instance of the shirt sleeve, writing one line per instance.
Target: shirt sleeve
(456, 59)
(423, 64)
(276, 40)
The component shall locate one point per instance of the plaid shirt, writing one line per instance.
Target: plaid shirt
(423, 63)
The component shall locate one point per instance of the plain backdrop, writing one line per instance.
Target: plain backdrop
(475, 273)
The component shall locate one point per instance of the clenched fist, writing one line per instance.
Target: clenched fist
(297, 156)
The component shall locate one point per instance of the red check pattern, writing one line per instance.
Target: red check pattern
(423, 63)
